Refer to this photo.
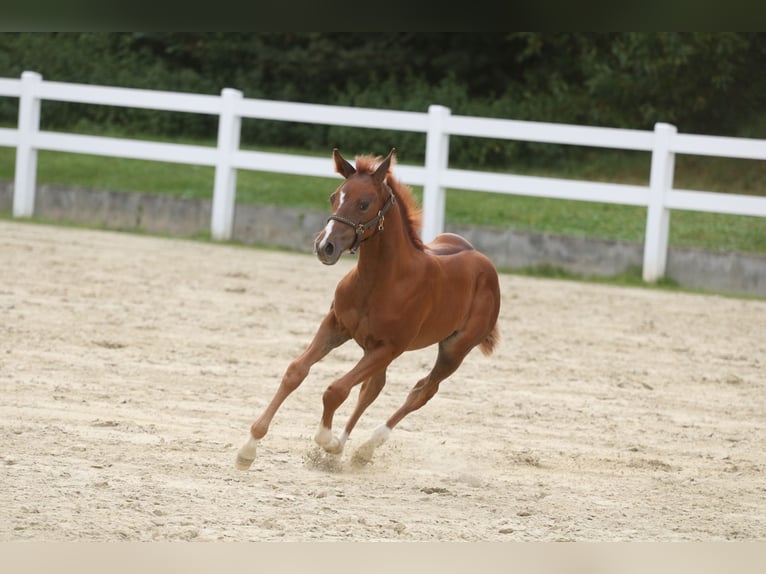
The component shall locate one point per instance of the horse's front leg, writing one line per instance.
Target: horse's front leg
(329, 336)
(373, 363)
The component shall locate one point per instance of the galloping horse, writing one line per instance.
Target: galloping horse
(402, 295)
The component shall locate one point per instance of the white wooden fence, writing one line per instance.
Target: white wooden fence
(435, 176)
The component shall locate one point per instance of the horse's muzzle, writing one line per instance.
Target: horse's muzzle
(326, 251)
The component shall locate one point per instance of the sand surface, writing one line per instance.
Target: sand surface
(131, 368)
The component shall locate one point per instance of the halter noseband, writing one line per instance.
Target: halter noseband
(361, 228)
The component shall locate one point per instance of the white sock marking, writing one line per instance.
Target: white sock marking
(380, 435)
(249, 448)
(323, 436)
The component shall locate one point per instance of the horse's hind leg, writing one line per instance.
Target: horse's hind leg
(452, 351)
(329, 336)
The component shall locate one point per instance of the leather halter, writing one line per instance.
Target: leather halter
(361, 228)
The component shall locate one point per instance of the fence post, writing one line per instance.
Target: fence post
(25, 180)
(225, 186)
(657, 215)
(437, 157)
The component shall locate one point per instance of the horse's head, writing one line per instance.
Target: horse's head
(358, 208)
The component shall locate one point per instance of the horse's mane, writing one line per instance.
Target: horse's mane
(408, 206)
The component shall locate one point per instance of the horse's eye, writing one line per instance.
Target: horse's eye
(332, 197)
(363, 205)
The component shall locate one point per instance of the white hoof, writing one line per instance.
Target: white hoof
(246, 454)
(330, 443)
(364, 453)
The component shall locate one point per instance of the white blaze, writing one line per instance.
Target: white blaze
(328, 227)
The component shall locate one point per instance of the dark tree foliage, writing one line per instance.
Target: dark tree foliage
(703, 82)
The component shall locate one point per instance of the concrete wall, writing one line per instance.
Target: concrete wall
(295, 229)
(727, 272)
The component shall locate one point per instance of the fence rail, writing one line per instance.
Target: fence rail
(659, 197)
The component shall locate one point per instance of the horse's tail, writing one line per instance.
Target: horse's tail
(488, 344)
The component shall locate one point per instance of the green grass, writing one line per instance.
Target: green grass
(711, 231)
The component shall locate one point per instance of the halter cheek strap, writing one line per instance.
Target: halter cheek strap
(361, 228)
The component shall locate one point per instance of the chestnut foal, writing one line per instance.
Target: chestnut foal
(402, 295)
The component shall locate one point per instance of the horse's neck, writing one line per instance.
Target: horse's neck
(388, 253)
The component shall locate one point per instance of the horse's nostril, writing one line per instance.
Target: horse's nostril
(329, 248)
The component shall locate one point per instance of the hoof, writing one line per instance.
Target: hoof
(330, 443)
(364, 453)
(246, 454)
(335, 446)
(243, 463)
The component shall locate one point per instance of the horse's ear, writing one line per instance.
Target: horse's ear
(341, 165)
(380, 173)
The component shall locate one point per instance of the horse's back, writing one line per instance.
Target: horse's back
(448, 244)
(462, 263)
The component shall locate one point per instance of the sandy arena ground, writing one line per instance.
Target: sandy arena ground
(131, 368)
